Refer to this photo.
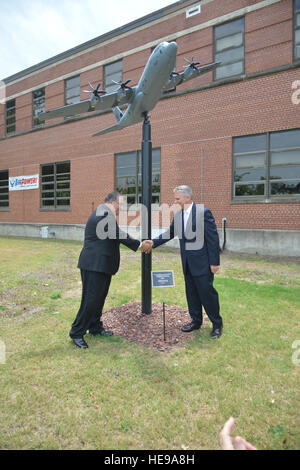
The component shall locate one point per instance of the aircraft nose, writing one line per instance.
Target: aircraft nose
(172, 48)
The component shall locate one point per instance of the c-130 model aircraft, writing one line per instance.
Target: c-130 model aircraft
(158, 76)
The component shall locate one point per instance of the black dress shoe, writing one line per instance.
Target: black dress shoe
(216, 333)
(80, 343)
(101, 332)
(190, 327)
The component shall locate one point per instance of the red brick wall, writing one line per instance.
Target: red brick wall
(24, 112)
(2, 120)
(269, 37)
(182, 126)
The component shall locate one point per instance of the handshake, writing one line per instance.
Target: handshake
(146, 246)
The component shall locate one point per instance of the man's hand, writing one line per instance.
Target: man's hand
(230, 443)
(214, 269)
(146, 246)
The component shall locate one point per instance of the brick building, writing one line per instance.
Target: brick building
(233, 135)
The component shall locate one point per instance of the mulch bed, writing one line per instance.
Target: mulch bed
(128, 322)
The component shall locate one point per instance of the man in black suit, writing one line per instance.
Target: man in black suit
(199, 246)
(98, 261)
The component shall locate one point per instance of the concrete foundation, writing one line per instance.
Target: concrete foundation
(261, 242)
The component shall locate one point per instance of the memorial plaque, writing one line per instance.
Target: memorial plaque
(163, 279)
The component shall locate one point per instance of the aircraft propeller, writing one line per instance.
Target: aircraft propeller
(191, 63)
(95, 91)
(123, 85)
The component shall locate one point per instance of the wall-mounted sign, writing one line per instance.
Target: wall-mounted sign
(17, 183)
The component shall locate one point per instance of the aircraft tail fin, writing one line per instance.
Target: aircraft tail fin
(118, 113)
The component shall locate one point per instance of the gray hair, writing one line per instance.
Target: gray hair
(186, 190)
(113, 196)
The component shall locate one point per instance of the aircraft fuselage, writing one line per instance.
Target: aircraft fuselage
(149, 88)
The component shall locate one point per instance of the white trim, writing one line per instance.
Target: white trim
(149, 45)
(192, 11)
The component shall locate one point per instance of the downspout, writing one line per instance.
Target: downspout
(224, 232)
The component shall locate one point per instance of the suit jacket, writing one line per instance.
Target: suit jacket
(102, 238)
(199, 243)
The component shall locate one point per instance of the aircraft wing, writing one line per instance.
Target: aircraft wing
(65, 111)
(99, 103)
(189, 73)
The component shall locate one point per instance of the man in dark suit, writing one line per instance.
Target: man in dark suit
(98, 261)
(199, 246)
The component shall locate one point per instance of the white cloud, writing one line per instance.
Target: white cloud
(34, 30)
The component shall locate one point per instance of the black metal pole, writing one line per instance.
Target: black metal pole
(146, 214)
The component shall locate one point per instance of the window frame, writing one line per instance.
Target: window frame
(138, 194)
(107, 86)
(70, 88)
(295, 28)
(215, 52)
(6, 207)
(55, 207)
(267, 196)
(37, 124)
(8, 133)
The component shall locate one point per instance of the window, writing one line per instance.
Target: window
(297, 29)
(285, 163)
(229, 48)
(55, 189)
(267, 165)
(4, 201)
(38, 105)
(112, 72)
(193, 11)
(10, 117)
(129, 176)
(72, 90)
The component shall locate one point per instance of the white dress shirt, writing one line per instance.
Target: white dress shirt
(186, 214)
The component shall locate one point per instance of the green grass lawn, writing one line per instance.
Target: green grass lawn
(120, 395)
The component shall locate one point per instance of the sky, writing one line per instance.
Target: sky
(35, 30)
